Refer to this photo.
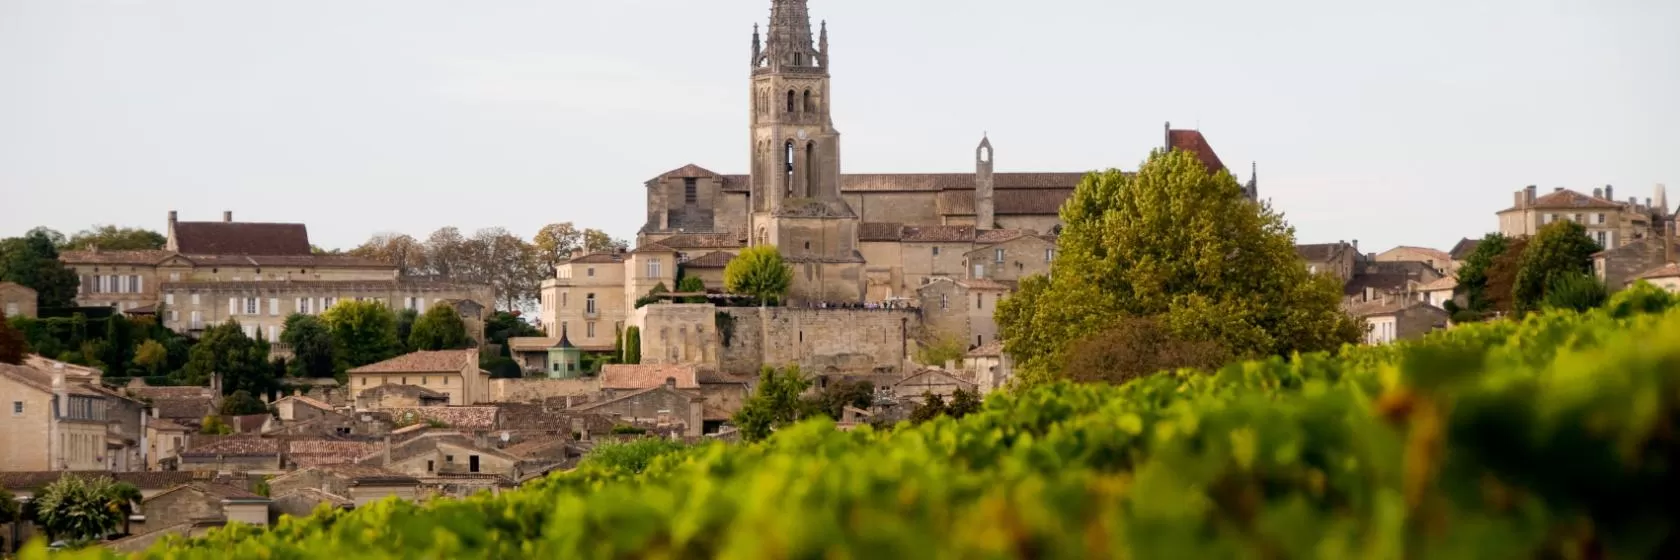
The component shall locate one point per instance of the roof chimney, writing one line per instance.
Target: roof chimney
(1609, 193)
(1528, 194)
(1557, 189)
(227, 216)
(1598, 193)
(171, 219)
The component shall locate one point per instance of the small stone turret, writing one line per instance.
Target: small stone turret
(984, 211)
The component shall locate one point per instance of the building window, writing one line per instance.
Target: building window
(1049, 255)
(1603, 239)
(250, 306)
(364, 381)
(997, 255)
(590, 272)
(169, 299)
(654, 268)
(589, 304)
(195, 299)
(431, 466)
(446, 380)
(590, 327)
(563, 298)
(17, 408)
(935, 251)
(691, 191)
(944, 302)
(1599, 218)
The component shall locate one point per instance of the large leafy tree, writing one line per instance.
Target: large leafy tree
(1181, 245)
(507, 263)
(1502, 277)
(77, 508)
(401, 250)
(113, 238)
(151, 355)
(241, 403)
(225, 349)
(1577, 291)
(13, 345)
(313, 351)
(439, 329)
(363, 332)
(124, 497)
(32, 260)
(1560, 249)
(555, 241)
(446, 253)
(1137, 346)
(1473, 276)
(759, 272)
(597, 241)
(774, 404)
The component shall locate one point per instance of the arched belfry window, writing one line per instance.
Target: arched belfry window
(811, 168)
(787, 158)
(798, 59)
(790, 106)
(810, 104)
(985, 154)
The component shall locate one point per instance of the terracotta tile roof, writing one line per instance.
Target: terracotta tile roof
(598, 258)
(643, 376)
(248, 424)
(411, 391)
(1193, 141)
(184, 409)
(26, 375)
(542, 447)
(1464, 248)
(166, 425)
(959, 203)
(702, 241)
(1008, 202)
(241, 238)
(457, 417)
(689, 171)
(1445, 283)
(1670, 270)
(1379, 307)
(880, 231)
(227, 492)
(302, 501)
(308, 286)
(144, 480)
(995, 236)
(308, 401)
(438, 361)
(986, 284)
(991, 349)
(634, 394)
(931, 376)
(1320, 252)
(938, 234)
(170, 392)
(113, 257)
(232, 446)
(516, 416)
(712, 260)
(654, 248)
(1437, 255)
(327, 446)
(1568, 199)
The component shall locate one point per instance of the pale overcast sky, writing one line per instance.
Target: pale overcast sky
(1392, 123)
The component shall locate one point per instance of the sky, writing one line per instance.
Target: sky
(1404, 123)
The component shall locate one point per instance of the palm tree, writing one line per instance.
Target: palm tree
(77, 508)
(123, 497)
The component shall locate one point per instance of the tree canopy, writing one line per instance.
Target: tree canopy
(759, 272)
(241, 403)
(77, 508)
(554, 242)
(1560, 249)
(1183, 246)
(774, 403)
(313, 352)
(113, 238)
(440, 328)
(13, 346)
(1473, 275)
(32, 260)
(363, 332)
(1575, 291)
(224, 349)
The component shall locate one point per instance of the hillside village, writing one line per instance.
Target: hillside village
(896, 280)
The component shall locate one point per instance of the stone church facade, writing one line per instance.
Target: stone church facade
(851, 238)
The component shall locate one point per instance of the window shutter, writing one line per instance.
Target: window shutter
(82, 285)
(273, 307)
(297, 305)
(233, 307)
(420, 304)
(140, 284)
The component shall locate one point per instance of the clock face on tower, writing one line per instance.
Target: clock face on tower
(800, 134)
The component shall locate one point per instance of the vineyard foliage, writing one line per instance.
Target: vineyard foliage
(1552, 437)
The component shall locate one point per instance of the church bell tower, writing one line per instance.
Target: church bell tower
(796, 202)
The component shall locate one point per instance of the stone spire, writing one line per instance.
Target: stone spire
(789, 44)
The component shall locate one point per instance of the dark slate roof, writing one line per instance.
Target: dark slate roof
(192, 408)
(1464, 248)
(241, 238)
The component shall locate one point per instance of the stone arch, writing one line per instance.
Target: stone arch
(791, 107)
(811, 168)
(810, 102)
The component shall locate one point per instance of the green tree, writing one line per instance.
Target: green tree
(241, 403)
(597, 241)
(1502, 277)
(632, 345)
(32, 260)
(1134, 347)
(76, 508)
(692, 285)
(405, 327)
(13, 346)
(933, 406)
(439, 329)
(1560, 249)
(113, 238)
(503, 325)
(759, 272)
(151, 355)
(555, 242)
(399, 250)
(1473, 275)
(834, 398)
(123, 497)
(1177, 243)
(363, 332)
(774, 403)
(213, 425)
(940, 350)
(653, 296)
(963, 403)
(241, 361)
(313, 351)
(1578, 291)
